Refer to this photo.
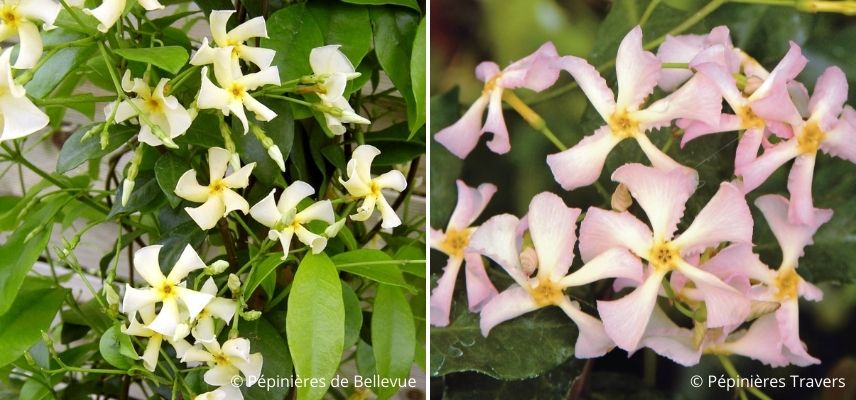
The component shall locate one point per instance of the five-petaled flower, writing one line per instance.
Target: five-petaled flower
(226, 362)
(360, 184)
(285, 221)
(170, 291)
(217, 198)
(334, 69)
(234, 40)
(552, 226)
(223, 309)
(17, 18)
(155, 339)
(159, 109)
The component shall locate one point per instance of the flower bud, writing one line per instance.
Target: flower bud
(251, 315)
(217, 267)
(234, 283)
(276, 155)
(111, 295)
(127, 188)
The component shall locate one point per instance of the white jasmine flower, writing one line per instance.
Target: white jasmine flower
(168, 290)
(227, 362)
(111, 10)
(219, 307)
(233, 93)
(234, 40)
(20, 117)
(361, 185)
(164, 111)
(217, 197)
(155, 339)
(17, 19)
(334, 70)
(285, 221)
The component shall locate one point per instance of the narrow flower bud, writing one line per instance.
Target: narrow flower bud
(127, 188)
(251, 315)
(217, 267)
(111, 295)
(234, 283)
(276, 155)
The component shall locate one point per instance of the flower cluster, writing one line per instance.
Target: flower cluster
(732, 303)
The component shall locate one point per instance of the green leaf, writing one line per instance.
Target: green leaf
(32, 313)
(76, 152)
(175, 240)
(371, 264)
(59, 66)
(417, 75)
(396, 152)
(503, 355)
(167, 58)
(281, 132)
(117, 349)
(393, 337)
(35, 390)
(445, 167)
(405, 3)
(293, 34)
(259, 272)
(315, 323)
(277, 360)
(168, 169)
(553, 384)
(145, 196)
(346, 25)
(353, 316)
(412, 253)
(22, 249)
(394, 32)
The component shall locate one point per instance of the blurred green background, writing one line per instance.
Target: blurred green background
(466, 32)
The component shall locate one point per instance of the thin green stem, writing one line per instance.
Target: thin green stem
(63, 101)
(286, 98)
(74, 16)
(732, 372)
(675, 65)
(648, 11)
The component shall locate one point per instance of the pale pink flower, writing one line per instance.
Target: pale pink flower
(693, 49)
(535, 72)
(552, 226)
(663, 195)
(765, 110)
(637, 71)
(454, 243)
(830, 127)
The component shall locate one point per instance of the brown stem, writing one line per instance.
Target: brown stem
(580, 382)
(231, 254)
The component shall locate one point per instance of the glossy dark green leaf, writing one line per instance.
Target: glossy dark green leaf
(417, 75)
(264, 338)
(394, 32)
(353, 316)
(553, 384)
(293, 34)
(168, 58)
(315, 323)
(259, 272)
(117, 349)
(60, 65)
(146, 196)
(281, 132)
(393, 337)
(175, 240)
(168, 169)
(32, 313)
(372, 264)
(76, 152)
(405, 3)
(344, 24)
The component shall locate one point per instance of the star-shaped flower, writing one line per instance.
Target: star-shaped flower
(234, 40)
(226, 362)
(217, 197)
(162, 110)
(155, 340)
(18, 17)
(360, 184)
(223, 309)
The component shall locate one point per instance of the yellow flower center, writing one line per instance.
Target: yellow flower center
(236, 91)
(220, 359)
(623, 125)
(810, 138)
(787, 282)
(546, 293)
(491, 84)
(374, 188)
(152, 104)
(217, 186)
(664, 257)
(9, 15)
(748, 118)
(166, 290)
(455, 242)
(236, 47)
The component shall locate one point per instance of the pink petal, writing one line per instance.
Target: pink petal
(724, 82)
(441, 296)
(698, 99)
(498, 240)
(552, 226)
(725, 218)
(678, 49)
(508, 304)
(756, 172)
(479, 287)
(739, 260)
(761, 342)
(840, 141)
(748, 146)
(495, 124)
(659, 159)
(662, 194)
(670, 340)
(462, 136)
(637, 70)
(695, 129)
(788, 68)
(471, 203)
(777, 106)
(725, 305)
(625, 319)
(830, 94)
(582, 164)
(591, 83)
(801, 210)
(809, 291)
(613, 263)
(592, 340)
(536, 71)
(792, 238)
(602, 230)
(789, 327)
(487, 70)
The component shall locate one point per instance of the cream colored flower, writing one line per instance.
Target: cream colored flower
(360, 184)
(155, 339)
(164, 111)
(19, 116)
(227, 363)
(18, 17)
(111, 10)
(217, 197)
(334, 70)
(234, 40)
(285, 221)
(223, 309)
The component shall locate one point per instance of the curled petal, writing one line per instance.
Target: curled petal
(152, 352)
(233, 201)
(319, 211)
(756, 172)
(253, 28)
(193, 300)
(495, 123)
(461, 137)
(479, 287)
(388, 215)
(188, 262)
(761, 341)
(471, 203)
(725, 305)
(725, 218)
(261, 111)
(536, 71)
(146, 264)
(30, 49)
(602, 230)
(792, 237)
(441, 296)
(670, 340)
(329, 60)
(497, 239)
(787, 317)
(582, 164)
(801, 210)
(167, 319)
(207, 215)
(591, 83)
(316, 242)
(592, 340)
(662, 194)
(508, 304)
(840, 141)
(637, 70)
(240, 178)
(136, 299)
(265, 211)
(625, 319)
(188, 188)
(394, 180)
(698, 99)
(107, 13)
(613, 263)
(830, 94)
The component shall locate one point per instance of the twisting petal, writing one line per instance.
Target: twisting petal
(233, 202)
(662, 194)
(250, 29)
(725, 305)
(756, 172)
(146, 264)
(188, 262)
(461, 137)
(318, 211)
(637, 70)
(592, 340)
(761, 341)
(801, 208)
(670, 340)
(840, 141)
(394, 180)
(188, 188)
(789, 326)
(265, 211)
(698, 99)
(316, 242)
(329, 60)
(582, 164)
(508, 304)
(602, 230)
(207, 215)
(591, 83)
(107, 13)
(479, 287)
(193, 300)
(217, 21)
(441, 296)
(725, 218)
(659, 159)
(152, 351)
(168, 318)
(536, 71)
(136, 299)
(625, 319)
(261, 111)
(240, 178)
(388, 215)
(30, 49)
(552, 226)
(495, 123)
(497, 239)
(471, 203)
(792, 237)
(613, 263)
(218, 161)
(830, 94)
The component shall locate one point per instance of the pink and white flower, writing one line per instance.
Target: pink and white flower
(454, 242)
(692, 49)
(535, 72)
(830, 127)
(638, 72)
(663, 195)
(551, 225)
